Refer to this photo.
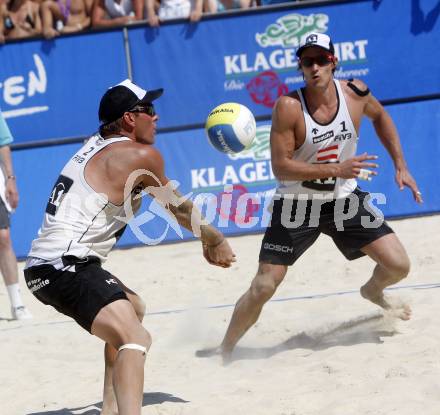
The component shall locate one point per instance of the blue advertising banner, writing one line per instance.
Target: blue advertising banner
(235, 191)
(251, 58)
(52, 89)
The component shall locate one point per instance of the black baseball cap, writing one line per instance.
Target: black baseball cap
(122, 98)
(319, 40)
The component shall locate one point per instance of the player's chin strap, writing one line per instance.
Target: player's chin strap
(133, 346)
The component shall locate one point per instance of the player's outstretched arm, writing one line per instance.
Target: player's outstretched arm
(216, 248)
(387, 132)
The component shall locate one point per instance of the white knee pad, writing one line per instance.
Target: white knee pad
(133, 346)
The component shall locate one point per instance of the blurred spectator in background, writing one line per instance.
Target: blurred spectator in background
(215, 6)
(8, 202)
(19, 19)
(65, 16)
(174, 9)
(108, 13)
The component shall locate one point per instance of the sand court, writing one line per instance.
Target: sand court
(318, 348)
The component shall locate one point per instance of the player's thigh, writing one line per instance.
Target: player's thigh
(118, 324)
(389, 252)
(136, 301)
(355, 229)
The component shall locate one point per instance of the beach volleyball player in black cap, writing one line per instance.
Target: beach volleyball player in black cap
(82, 222)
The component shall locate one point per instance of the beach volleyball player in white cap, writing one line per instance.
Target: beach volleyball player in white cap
(314, 139)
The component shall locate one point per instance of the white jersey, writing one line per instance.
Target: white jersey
(79, 221)
(324, 143)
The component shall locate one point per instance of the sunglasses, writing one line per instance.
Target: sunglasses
(145, 109)
(320, 60)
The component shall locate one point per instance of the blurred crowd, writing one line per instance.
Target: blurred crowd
(50, 18)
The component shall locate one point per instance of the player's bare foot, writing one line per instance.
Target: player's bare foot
(393, 305)
(215, 351)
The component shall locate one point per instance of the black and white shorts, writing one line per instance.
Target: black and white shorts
(295, 225)
(79, 292)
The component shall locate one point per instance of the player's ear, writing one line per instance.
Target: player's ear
(128, 118)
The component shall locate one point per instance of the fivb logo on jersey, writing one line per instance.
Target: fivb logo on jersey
(278, 42)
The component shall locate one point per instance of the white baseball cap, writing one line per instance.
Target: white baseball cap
(320, 40)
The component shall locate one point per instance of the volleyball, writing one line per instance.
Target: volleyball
(230, 127)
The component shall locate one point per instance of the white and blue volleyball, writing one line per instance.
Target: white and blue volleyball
(231, 127)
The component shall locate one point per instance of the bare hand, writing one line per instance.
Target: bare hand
(11, 193)
(404, 178)
(127, 19)
(50, 33)
(351, 168)
(153, 21)
(220, 255)
(195, 16)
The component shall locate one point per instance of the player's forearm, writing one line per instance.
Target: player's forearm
(299, 170)
(387, 132)
(189, 216)
(5, 155)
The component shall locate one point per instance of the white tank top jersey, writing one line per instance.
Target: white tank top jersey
(79, 221)
(324, 143)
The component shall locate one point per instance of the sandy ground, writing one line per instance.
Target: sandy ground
(321, 350)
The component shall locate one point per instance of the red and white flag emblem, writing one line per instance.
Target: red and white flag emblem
(328, 153)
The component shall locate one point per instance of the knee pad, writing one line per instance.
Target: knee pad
(133, 346)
